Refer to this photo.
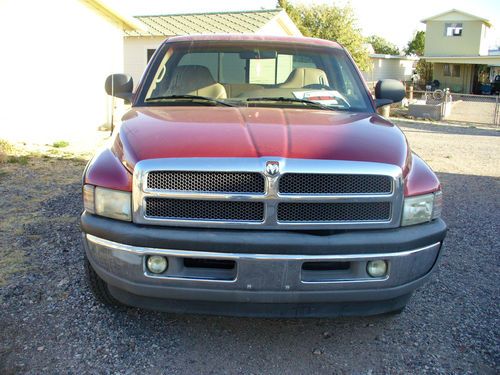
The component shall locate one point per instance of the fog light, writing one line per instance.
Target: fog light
(157, 264)
(376, 268)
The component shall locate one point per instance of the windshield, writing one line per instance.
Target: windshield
(242, 74)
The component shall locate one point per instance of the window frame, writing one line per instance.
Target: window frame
(452, 70)
(456, 26)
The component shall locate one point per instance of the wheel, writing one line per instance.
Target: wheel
(99, 287)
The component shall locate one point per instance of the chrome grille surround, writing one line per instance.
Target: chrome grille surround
(271, 197)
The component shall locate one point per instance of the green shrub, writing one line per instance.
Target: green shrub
(60, 144)
(23, 159)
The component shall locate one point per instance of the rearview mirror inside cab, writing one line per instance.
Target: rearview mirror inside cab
(388, 91)
(120, 86)
(258, 54)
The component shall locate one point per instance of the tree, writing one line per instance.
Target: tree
(416, 45)
(330, 22)
(383, 46)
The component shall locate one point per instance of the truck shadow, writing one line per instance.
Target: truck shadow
(418, 126)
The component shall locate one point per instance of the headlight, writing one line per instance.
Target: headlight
(422, 208)
(115, 204)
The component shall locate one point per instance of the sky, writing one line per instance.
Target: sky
(394, 20)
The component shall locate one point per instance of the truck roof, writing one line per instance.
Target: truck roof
(254, 37)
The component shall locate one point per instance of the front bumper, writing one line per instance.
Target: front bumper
(265, 279)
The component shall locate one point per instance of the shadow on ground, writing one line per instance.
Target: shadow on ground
(409, 126)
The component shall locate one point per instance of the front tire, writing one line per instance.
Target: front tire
(99, 287)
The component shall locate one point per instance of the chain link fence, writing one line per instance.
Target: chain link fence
(453, 107)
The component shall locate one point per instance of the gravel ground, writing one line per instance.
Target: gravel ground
(50, 323)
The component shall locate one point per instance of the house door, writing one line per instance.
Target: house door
(474, 84)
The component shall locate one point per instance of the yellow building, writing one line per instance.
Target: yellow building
(456, 43)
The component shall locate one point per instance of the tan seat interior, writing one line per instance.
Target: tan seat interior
(234, 90)
(300, 77)
(195, 80)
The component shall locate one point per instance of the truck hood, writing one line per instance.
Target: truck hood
(189, 132)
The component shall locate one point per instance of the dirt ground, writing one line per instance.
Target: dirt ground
(50, 322)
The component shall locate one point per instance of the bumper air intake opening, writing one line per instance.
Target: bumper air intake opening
(209, 263)
(329, 271)
(325, 266)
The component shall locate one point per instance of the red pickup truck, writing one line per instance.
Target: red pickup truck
(253, 176)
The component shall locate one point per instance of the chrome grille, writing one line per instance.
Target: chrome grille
(223, 182)
(183, 209)
(334, 212)
(245, 193)
(309, 183)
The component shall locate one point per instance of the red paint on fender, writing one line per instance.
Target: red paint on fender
(105, 170)
(421, 179)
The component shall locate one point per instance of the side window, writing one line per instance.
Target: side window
(232, 68)
(207, 59)
(285, 66)
(262, 71)
(301, 61)
(451, 70)
(287, 63)
(446, 70)
(341, 78)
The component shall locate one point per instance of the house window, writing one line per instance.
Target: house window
(453, 29)
(451, 70)
(150, 53)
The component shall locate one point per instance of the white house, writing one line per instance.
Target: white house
(140, 44)
(390, 66)
(58, 54)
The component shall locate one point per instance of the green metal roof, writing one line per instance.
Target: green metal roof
(204, 23)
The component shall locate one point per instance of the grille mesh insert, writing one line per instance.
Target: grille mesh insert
(224, 182)
(334, 212)
(186, 209)
(309, 183)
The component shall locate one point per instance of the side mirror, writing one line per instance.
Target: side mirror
(388, 91)
(120, 86)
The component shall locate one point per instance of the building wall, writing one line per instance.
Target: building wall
(59, 53)
(462, 84)
(382, 68)
(135, 54)
(280, 25)
(135, 48)
(472, 42)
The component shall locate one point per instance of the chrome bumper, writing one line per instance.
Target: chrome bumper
(259, 278)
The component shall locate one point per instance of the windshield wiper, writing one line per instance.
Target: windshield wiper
(290, 100)
(189, 97)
